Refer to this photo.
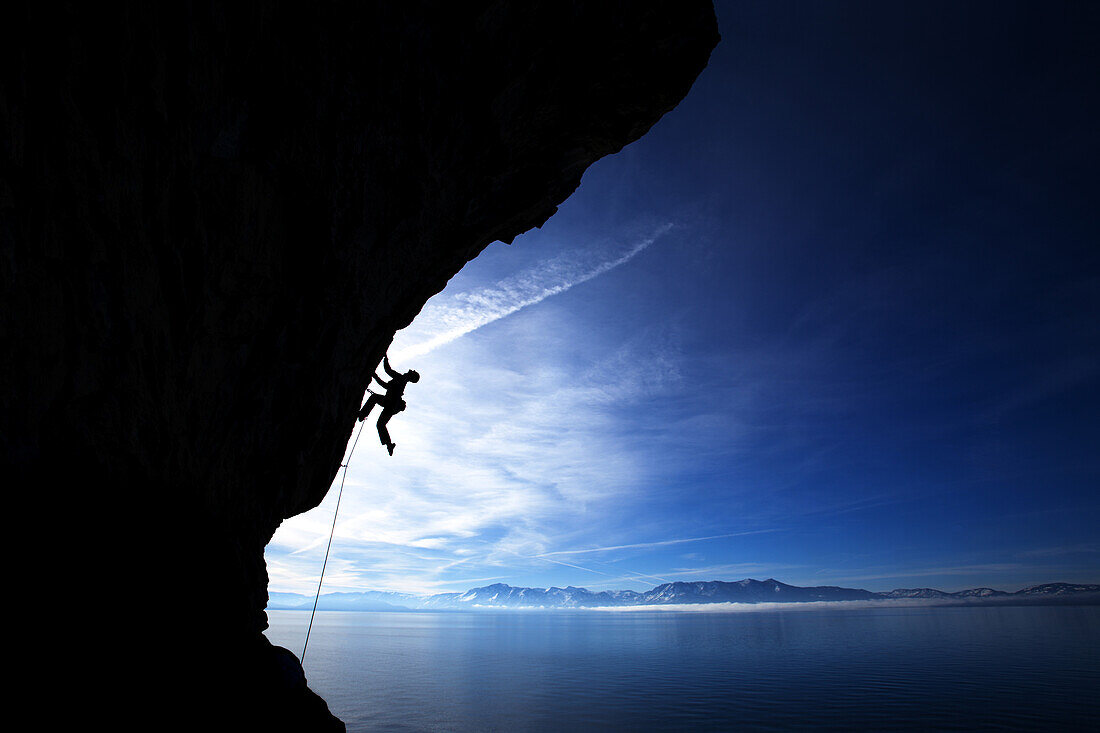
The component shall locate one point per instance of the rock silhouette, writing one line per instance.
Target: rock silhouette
(212, 218)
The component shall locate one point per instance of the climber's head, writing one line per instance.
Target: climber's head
(414, 376)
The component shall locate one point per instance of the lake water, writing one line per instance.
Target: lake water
(910, 668)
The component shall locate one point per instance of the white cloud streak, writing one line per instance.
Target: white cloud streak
(660, 543)
(443, 321)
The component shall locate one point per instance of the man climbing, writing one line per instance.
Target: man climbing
(391, 401)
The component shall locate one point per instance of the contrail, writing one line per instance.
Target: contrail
(441, 323)
(656, 544)
(570, 565)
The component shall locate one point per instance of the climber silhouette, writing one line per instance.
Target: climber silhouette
(391, 401)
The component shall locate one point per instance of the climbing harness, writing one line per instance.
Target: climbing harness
(332, 532)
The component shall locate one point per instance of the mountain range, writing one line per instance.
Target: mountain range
(500, 595)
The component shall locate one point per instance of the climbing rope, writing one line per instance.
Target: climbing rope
(332, 532)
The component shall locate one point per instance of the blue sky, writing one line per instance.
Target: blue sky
(831, 321)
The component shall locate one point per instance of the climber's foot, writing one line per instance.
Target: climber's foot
(390, 447)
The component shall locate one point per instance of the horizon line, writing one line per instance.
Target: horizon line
(691, 582)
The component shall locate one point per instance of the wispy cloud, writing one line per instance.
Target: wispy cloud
(1081, 548)
(983, 570)
(659, 543)
(451, 316)
(733, 570)
(571, 565)
(500, 457)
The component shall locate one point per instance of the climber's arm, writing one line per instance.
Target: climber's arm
(381, 381)
(389, 370)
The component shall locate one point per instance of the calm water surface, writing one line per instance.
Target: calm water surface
(948, 668)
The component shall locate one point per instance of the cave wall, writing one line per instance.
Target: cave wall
(214, 217)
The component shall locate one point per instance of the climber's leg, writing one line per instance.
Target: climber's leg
(383, 432)
(368, 406)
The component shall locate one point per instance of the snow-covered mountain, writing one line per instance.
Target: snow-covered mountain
(501, 595)
(1058, 589)
(917, 593)
(748, 591)
(980, 593)
(506, 596)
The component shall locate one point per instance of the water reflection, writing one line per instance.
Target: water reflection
(881, 668)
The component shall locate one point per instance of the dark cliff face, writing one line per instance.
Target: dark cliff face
(214, 219)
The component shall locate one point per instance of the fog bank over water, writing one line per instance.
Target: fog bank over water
(829, 605)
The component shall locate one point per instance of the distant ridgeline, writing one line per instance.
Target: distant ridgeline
(500, 595)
